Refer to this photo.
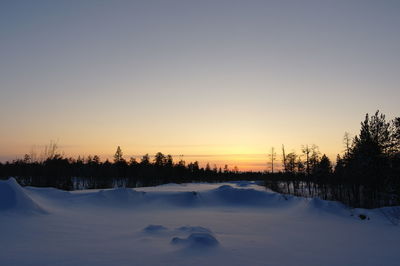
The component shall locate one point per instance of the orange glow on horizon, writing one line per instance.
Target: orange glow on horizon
(237, 158)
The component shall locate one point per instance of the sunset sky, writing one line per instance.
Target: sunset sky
(215, 81)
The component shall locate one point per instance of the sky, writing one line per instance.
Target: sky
(214, 81)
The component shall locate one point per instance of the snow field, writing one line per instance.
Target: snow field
(238, 223)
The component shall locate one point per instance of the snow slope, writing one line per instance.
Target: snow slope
(238, 223)
(13, 198)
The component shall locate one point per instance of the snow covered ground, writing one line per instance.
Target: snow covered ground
(237, 223)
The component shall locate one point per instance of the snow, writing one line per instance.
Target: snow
(14, 199)
(196, 240)
(153, 229)
(236, 223)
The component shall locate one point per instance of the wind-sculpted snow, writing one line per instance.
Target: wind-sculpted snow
(186, 237)
(332, 207)
(228, 195)
(13, 198)
(196, 241)
(154, 229)
(235, 223)
(193, 229)
(119, 197)
(225, 195)
(244, 183)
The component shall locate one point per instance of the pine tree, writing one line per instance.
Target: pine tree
(118, 155)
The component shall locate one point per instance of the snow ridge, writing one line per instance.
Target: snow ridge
(14, 198)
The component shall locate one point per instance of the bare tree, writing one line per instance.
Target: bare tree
(306, 151)
(284, 158)
(50, 151)
(347, 143)
(33, 154)
(272, 156)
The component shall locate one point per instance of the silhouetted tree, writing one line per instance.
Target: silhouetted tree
(272, 156)
(118, 155)
(291, 163)
(306, 151)
(323, 167)
(159, 159)
(145, 160)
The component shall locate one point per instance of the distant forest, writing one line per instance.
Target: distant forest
(366, 175)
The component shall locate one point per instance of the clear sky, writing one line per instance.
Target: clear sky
(217, 81)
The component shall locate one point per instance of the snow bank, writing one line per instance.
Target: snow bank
(333, 207)
(170, 195)
(154, 229)
(193, 229)
(212, 224)
(196, 240)
(225, 195)
(187, 229)
(120, 196)
(179, 199)
(198, 237)
(232, 196)
(243, 183)
(186, 237)
(13, 198)
(241, 194)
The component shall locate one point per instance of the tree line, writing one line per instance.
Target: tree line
(55, 170)
(367, 174)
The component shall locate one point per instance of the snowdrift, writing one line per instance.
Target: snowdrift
(196, 241)
(231, 195)
(232, 223)
(228, 195)
(185, 237)
(317, 205)
(118, 197)
(224, 195)
(14, 198)
(239, 194)
(155, 229)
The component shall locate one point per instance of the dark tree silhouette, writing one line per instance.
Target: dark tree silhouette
(367, 174)
(118, 155)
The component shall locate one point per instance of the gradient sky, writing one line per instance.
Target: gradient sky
(217, 81)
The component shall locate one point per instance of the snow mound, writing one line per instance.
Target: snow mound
(324, 206)
(243, 183)
(181, 199)
(154, 229)
(14, 198)
(228, 195)
(239, 195)
(120, 194)
(193, 229)
(196, 240)
(118, 197)
(225, 195)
